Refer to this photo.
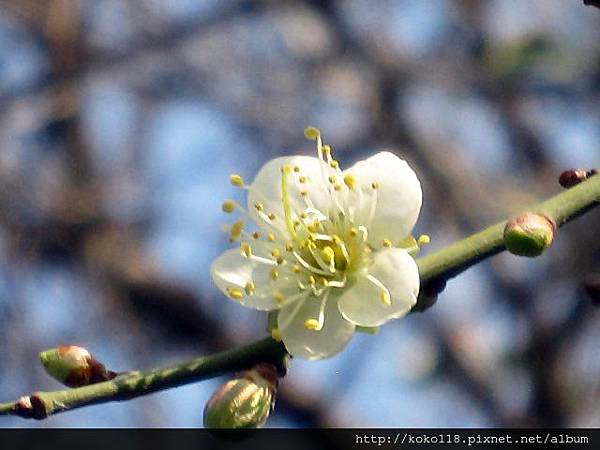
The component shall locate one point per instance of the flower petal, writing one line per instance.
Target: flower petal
(399, 196)
(266, 188)
(313, 344)
(361, 304)
(233, 271)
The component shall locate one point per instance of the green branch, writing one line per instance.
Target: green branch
(434, 270)
(135, 384)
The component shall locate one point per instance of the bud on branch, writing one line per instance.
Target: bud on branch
(74, 366)
(529, 234)
(244, 402)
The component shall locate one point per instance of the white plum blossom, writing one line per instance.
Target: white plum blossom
(331, 251)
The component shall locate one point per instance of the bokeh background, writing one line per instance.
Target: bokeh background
(121, 120)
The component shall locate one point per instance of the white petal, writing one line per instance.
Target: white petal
(361, 304)
(312, 344)
(266, 188)
(232, 270)
(399, 196)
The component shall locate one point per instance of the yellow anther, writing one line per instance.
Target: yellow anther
(387, 243)
(271, 216)
(274, 274)
(311, 280)
(312, 133)
(304, 193)
(350, 181)
(312, 324)
(327, 254)
(313, 227)
(235, 293)
(279, 297)
(228, 206)
(275, 253)
(236, 230)
(337, 187)
(331, 179)
(353, 232)
(324, 282)
(384, 296)
(334, 164)
(289, 247)
(424, 239)
(256, 235)
(271, 237)
(276, 334)
(303, 215)
(236, 180)
(336, 239)
(297, 269)
(250, 287)
(246, 249)
(259, 206)
(295, 224)
(280, 260)
(302, 179)
(375, 185)
(296, 169)
(327, 149)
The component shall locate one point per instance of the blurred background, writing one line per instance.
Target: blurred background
(120, 122)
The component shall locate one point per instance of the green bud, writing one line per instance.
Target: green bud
(529, 234)
(74, 366)
(244, 402)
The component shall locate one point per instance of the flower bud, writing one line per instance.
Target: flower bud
(74, 366)
(244, 402)
(529, 234)
(571, 177)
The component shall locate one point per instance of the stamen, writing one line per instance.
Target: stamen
(312, 133)
(236, 180)
(302, 179)
(236, 230)
(351, 181)
(274, 274)
(312, 325)
(235, 293)
(387, 243)
(250, 287)
(275, 253)
(328, 255)
(228, 206)
(279, 297)
(317, 324)
(246, 249)
(271, 237)
(424, 239)
(259, 206)
(256, 235)
(384, 293)
(287, 202)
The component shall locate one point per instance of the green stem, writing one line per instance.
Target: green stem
(434, 269)
(440, 266)
(135, 384)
